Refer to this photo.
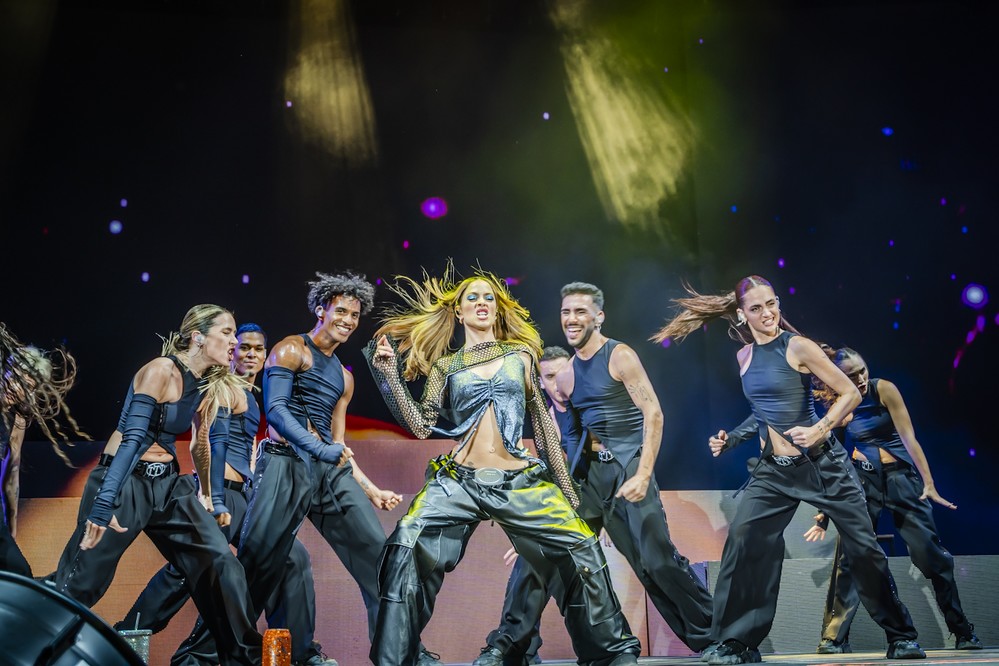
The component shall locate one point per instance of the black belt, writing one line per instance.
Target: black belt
(279, 449)
(601, 455)
(811, 453)
(868, 466)
(238, 486)
(145, 469)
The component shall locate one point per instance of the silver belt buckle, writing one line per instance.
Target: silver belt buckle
(867, 465)
(604, 455)
(155, 469)
(489, 476)
(784, 461)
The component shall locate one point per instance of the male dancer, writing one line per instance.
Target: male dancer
(233, 442)
(307, 470)
(613, 456)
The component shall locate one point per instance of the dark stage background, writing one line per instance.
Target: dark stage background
(845, 150)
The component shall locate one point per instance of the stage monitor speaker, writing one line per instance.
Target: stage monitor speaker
(41, 627)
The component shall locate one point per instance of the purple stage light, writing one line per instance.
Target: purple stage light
(144, 277)
(434, 208)
(780, 263)
(287, 104)
(887, 131)
(894, 325)
(972, 453)
(997, 320)
(943, 201)
(666, 343)
(115, 226)
(545, 115)
(405, 245)
(791, 290)
(975, 296)
(700, 41)
(666, 69)
(953, 276)
(378, 281)
(246, 279)
(124, 203)
(891, 242)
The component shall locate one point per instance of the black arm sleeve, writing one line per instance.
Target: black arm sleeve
(742, 432)
(219, 439)
(278, 385)
(133, 436)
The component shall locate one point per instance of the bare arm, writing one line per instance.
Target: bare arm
(891, 398)
(12, 481)
(807, 356)
(627, 368)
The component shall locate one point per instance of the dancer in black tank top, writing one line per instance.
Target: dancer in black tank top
(612, 443)
(896, 476)
(136, 487)
(800, 462)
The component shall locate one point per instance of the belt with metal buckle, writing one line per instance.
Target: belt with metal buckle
(489, 476)
(602, 455)
(154, 470)
(279, 449)
(144, 468)
(865, 465)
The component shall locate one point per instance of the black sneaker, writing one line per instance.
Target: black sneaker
(709, 650)
(625, 659)
(489, 656)
(734, 652)
(428, 658)
(905, 650)
(969, 642)
(830, 646)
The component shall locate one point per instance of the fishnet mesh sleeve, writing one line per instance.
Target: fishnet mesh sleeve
(547, 442)
(417, 417)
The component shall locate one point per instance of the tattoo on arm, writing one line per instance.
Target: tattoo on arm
(639, 392)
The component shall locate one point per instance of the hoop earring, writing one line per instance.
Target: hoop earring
(740, 320)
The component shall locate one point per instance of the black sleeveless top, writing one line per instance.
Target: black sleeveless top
(872, 428)
(317, 390)
(241, 430)
(781, 396)
(604, 405)
(170, 419)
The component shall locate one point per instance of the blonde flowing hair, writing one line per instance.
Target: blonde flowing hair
(425, 324)
(33, 386)
(696, 310)
(220, 387)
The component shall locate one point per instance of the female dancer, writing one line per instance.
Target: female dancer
(800, 461)
(32, 388)
(896, 476)
(136, 487)
(490, 383)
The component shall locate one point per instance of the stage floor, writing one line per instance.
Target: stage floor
(990, 656)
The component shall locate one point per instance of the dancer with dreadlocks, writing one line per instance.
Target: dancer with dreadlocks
(33, 385)
(800, 461)
(491, 384)
(136, 486)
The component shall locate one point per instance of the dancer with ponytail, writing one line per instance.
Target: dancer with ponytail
(800, 461)
(33, 385)
(896, 476)
(136, 486)
(491, 384)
